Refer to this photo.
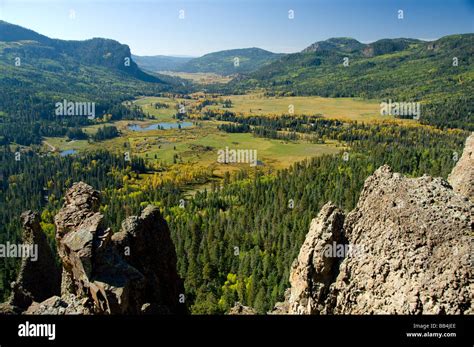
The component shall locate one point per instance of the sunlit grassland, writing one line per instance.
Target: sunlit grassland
(198, 145)
(345, 109)
(160, 114)
(199, 77)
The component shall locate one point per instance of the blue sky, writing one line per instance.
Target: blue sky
(152, 27)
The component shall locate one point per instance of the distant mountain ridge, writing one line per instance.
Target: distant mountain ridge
(97, 51)
(230, 62)
(158, 63)
(438, 73)
(350, 45)
(36, 72)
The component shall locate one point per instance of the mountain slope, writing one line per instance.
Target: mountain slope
(11, 33)
(224, 62)
(18, 42)
(398, 69)
(342, 44)
(160, 62)
(36, 72)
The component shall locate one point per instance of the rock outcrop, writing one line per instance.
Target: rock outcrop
(59, 305)
(146, 245)
(131, 272)
(239, 309)
(30, 285)
(284, 306)
(404, 249)
(312, 272)
(462, 176)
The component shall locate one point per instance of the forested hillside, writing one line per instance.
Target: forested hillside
(36, 72)
(234, 243)
(160, 62)
(230, 62)
(236, 227)
(438, 74)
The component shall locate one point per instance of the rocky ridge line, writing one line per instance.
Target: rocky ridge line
(130, 272)
(409, 242)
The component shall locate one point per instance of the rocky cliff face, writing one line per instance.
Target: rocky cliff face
(404, 249)
(462, 176)
(146, 245)
(30, 285)
(239, 309)
(312, 273)
(131, 272)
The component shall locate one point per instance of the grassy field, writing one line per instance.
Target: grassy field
(161, 114)
(197, 146)
(199, 77)
(272, 153)
(62, 144)
(335, 108)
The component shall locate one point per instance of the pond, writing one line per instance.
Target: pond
(67, 152)
(162, 126)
